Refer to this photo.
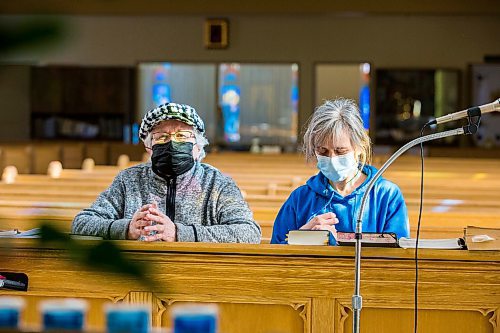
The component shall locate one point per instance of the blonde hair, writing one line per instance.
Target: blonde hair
(332, 120)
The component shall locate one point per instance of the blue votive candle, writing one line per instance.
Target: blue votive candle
(127, 318)
(64, 314)
(10, 310)
(195, 318)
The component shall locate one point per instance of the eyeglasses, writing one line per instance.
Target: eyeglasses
(179, 136)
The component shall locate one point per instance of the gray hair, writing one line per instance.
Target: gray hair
(201, 142)
(330, 121)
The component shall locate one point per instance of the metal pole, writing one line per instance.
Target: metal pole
(357, 300)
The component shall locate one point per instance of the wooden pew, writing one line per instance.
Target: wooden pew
(273, 288)
(266, 190)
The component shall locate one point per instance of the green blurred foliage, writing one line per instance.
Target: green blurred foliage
(30, 33)
(102, 255)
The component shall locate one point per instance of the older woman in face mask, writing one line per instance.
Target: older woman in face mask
(174, 197)
(330, 200)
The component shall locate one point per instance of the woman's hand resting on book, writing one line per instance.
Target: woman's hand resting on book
(324, 221)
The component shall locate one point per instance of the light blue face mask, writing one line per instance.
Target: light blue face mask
(337, 168)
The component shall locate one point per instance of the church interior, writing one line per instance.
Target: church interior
(77, 80)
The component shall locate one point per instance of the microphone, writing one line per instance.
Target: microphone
(470, 112)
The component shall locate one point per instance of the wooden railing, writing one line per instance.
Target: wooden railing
(272, 288)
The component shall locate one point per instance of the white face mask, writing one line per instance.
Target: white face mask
(337, 168)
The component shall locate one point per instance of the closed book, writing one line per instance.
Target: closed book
(438, 243)
(308, 237)
(368, 239)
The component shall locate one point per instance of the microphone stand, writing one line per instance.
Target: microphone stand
(474, 117)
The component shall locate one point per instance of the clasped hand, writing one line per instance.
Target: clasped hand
(142, 225)
(324, 221)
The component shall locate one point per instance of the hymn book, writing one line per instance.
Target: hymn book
(35, 233)
(443, 243)
(482, 239)
(324, 237)
(370, 239)
(308, 237)
(32, 233)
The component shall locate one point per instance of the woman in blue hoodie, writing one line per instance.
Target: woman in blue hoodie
(330, 200)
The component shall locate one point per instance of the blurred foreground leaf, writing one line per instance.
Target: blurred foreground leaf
(29, 33)
(105, 256)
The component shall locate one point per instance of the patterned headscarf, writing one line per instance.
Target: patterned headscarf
(181, 112)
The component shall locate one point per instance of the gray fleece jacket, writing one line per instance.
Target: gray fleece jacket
(209, 206)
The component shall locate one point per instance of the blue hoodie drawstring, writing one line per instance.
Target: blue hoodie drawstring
(325, 207)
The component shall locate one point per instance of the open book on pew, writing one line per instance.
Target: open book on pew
(15, 233)
(324, 237)
(35, 233)
(482, 239)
